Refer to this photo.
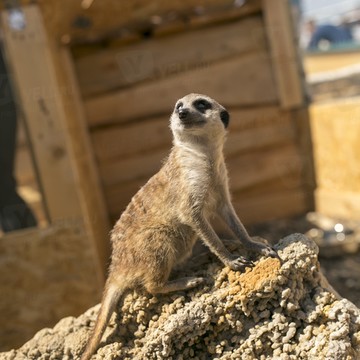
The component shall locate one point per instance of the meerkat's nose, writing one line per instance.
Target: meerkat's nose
(183, 113)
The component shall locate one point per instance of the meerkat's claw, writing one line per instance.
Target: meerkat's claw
(240, 263)
(269, 252)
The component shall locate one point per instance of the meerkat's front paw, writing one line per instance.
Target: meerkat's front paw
(239, 263)
(268, 251)
(263, 248)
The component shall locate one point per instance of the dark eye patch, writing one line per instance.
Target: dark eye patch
(225, 118)
(202, 105)
(179, 105)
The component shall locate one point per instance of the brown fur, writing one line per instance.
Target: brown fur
(171, 211)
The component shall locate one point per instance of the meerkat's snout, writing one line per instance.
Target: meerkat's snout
(183, 113)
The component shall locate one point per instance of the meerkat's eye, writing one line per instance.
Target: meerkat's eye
(179, 105)
(202, 105)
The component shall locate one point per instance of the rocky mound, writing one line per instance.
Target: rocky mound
(272, 311)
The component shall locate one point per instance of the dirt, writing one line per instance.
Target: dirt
(279, 309)
(342, 271)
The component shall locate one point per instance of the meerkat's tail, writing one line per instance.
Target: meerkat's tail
(110, 298)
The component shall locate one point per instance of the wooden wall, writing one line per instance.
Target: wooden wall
(129, 92)
(98, 124)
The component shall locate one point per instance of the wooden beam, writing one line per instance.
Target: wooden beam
(135, 150)
(258, 127)
(245, 171)
(88, 184)
(140, 166)
(105, 19)
(123, 66)
(285, 58)
(52, 109)
(243, 80)
(253, 169)
(139, 137)
(30, 60)
(270, 206)
(301, 120)
(249, 128)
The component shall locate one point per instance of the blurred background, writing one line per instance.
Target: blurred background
(87, 87)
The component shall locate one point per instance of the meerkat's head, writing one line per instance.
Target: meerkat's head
(199, 116)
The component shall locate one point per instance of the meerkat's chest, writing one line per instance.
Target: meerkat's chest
(204, 182)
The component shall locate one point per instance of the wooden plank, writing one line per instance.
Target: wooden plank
(260, 207)
(227, 12)
(285, 58)
(305, 144)
(118, 141)
(270, 206)
(88, 181)
(245, 171)
(257, 128)
(145, 164)
(106, 18)
(119, 196)
(30, 59)
(135, 151)
(158, 58)
(256, 117)
(52, 107)
(249, 170)
(285, 182)
(142, 166)
(249, 128)
(245, 80)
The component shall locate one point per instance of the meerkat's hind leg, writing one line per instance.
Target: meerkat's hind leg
(175, 285)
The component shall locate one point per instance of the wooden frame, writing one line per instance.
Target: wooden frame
(51, 107)
(285, 57)
(76, 106)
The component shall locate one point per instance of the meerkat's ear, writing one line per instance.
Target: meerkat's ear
(225, 118)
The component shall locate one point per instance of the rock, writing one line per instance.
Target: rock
(272, 311)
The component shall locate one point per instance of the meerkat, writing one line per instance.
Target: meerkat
(161, 224)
